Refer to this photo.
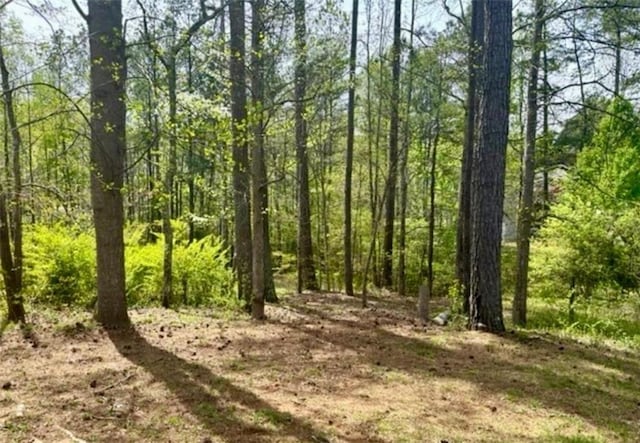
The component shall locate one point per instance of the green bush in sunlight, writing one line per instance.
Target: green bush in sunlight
(60, 268)
(59, 265)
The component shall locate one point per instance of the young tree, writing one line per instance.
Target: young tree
(108, 124)
(525, 214)
(348, 249)
(392, 174)
(489, 169)
(306, 268)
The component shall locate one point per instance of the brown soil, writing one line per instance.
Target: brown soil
(321, 369)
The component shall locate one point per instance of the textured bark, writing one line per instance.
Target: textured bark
(108, 118)
(258, 184)
(392, 173)
(257, 88)
(241, 176)
(11, 232)
(489, 169)
(348, 248)
(306, 267)
(169, 178)
(525, 213)
(463, 239)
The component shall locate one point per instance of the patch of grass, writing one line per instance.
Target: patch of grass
(174, 421)
(574, 439)
(272, 417)
(209, 411)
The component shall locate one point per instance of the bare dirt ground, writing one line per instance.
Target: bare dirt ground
(321, 369)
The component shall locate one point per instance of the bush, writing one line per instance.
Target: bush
(59, 266)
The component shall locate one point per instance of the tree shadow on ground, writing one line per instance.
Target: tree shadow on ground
(597, 384)
(212, 399)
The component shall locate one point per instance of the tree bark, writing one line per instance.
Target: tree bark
(257, 88)
(463, 233)
(348, 248)
(392, 174)
(108, 129)
(306, 267)
(489, 169)
(258, 184)
(525, 213)
(241, 175)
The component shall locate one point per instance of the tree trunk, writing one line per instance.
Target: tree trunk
(525, 213)
(489, 169)
(257, 87)
(463, 233)
(404, 179)
(241, 176)
(306, 268)
(258, 182)
(169, 176)
(392, 174)
(12, 224)
(108, 128)
(348, 248)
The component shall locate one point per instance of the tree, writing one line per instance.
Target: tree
(241, 172)
(108, 129)
(306, 268)
(489, 169)
(348, 170)
(463, 239)
(392, 173)
(525, 214)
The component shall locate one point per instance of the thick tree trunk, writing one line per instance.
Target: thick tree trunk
(463, 238)
(392, 174)
(489, 169)
(108, 118)
(348, 248)
(241, 176)
(525, 213)
(306, 267)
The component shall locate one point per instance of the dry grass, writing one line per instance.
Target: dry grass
(321, 369)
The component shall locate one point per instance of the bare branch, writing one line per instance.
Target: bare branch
(83, 14)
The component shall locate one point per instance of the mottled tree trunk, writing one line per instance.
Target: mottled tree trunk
(463, 239)
(108, 125)
(241, 175)
(306, 267)
(392, 173)
(489, 169)
(525, 213)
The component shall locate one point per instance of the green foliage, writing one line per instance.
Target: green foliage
(591, 242)
(60, 265)
(60, 268)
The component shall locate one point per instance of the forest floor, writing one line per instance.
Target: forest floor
(320, 369)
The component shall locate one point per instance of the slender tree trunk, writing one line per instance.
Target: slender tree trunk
(241, 176)
(108, 126)
(618, 61)
(489, 169)
(545, 123)
(525, 213)
(392, 174)
(463, 237)
(258, 174)
(169, 195)
(12, 264)
(404, 158)
(306, 267)
(257, 87)
(348, 248)
(431, 218)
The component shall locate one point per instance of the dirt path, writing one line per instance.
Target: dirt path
(319, 370)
